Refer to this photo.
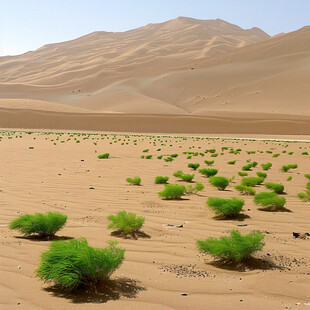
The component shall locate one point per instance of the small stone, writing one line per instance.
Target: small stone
(19, 267)
(184, 294)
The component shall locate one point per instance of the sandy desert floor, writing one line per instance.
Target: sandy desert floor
(165, 263)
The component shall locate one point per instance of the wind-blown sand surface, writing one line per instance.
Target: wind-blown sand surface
(160, 268)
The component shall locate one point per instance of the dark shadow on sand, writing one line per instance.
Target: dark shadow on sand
(108, 290)
(135, 235)
(40, 238)
(239, 217)
(246, 265)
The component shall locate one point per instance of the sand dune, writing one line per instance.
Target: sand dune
(180, 67)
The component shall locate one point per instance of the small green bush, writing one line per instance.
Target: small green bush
(245, 190)
(126, 222)
(209, 162)
(228, 207)
(236, 247)
(194, 189)
(160, 157)
(288, 167)
(193, 166)
(172, 191)
(247, 167)
(105, 155)
(73, 263)
(261, 174)
(174, 155)
(277, 188)
(219, 182)
(307, 176)
(161, 180)
(148, 156)
(252, 181)
(304, 195)
(145, 151)
(134, 181)
(168, 159)
(208, 172)
(242, 174)
(270, 201)
(289, 178)
(266, 166)
(184, 177)
(231, 162)
(44, 225)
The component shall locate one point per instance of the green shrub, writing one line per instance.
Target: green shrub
(194, 189)
(271, 201)
(245, 190)
(220, 182)
(252, 181)
(288, 167)
(126, 222)
(161, 180)
(184, 177)
(135, 180)
(228, 207)
(44, 225)
(231, 162)
(284, 168)
(307, 176)
(266, 166)
(145, 151)
(189, 157)
(193, 166)
(105, 155)
(172, 191)
(73, 263)
(275, 155)
(209, 162)
(243, 174)
(236, 247)
(277, 188)
(214, 155)
(294, 166)
(174, 155)
(247, 167)
(160, 157)
(168, 159)
(289, 178)
(254, 163)
(304, 195)
(208, 172)
(261, 174)
(148, 156)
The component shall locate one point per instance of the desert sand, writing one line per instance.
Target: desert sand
(165, 264)
(181, 67)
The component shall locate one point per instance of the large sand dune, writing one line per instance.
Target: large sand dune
(180, 67)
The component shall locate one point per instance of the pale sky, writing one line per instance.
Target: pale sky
(28, 24)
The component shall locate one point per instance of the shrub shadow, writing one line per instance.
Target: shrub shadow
(272, 209)
(249, 264)
(108, 290)
(238, 217)
(135, 235)
(39, 238)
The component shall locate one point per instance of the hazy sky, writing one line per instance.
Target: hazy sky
(28, 24)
